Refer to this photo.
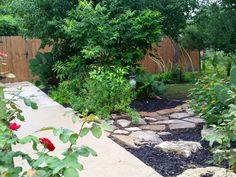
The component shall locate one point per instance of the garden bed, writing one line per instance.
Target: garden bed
(152, 105)
(171, 164)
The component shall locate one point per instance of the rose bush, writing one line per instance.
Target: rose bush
(44, 164)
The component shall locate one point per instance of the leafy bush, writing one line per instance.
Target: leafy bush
(215, 100)
(105, 91)
(100, 34)
(42, 66)
(8, 26)
(177, 76)
(148, 85)
(204, 100)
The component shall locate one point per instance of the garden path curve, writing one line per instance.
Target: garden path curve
(112, 160)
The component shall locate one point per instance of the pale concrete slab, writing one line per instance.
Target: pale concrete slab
(112, 160)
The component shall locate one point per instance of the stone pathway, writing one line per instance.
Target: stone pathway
(153, 124)
(112, 160)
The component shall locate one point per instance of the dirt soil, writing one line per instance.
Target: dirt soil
(155, 104)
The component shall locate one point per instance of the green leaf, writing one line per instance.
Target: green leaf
(65, 135)
(27, 102)
(96, 131)
(70, 172)
(44, 129)
(73, 138)
(34, 105)
(84, 132)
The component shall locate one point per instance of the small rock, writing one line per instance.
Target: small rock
(185, 148)
(145, 137)
(110, 122)
(180, 115)
(142, 122)
(164, 133)
(153, 127)
(121, 132)
(210, 171)
(195, 120)
(133, 129)
(123, 122)
(119, 116)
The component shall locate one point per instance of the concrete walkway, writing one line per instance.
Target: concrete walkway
(112, 160)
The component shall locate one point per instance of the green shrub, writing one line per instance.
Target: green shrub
(8, 26)
(42, 66)
(205, 102)
(148, 85)
(105, 91)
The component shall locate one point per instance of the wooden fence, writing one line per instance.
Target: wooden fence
(20, 51)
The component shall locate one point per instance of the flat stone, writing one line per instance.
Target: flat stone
(208, 171)
(150, 119)
(121, 132)
(166, 111)
(174, 121)
(148, 114)
(119, 116)
(185, 148)
(182, 126)
(123, 122)
(142, 122)
(180, 115)
(132, 129)
(145, 137)
(153, 127)
(124, 139)
(164, 133)
(195, 120)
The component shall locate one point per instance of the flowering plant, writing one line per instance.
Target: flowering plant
(44, 164)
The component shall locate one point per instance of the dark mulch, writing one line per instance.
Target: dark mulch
(155, 104)
(170, 164)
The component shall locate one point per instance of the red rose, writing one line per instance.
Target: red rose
(14, 126)
(47, 143)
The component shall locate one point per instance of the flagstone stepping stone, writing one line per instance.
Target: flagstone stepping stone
(208, 171)
(167, 111)
(153, 127)
(175, 121)
(182, 126)
(146, 137)
(185, 148)
(121, 132)
(150, 119)
(148, 114)
(195, 120)
(132, 129)
(138, 138)
(164, 133)
(123, 122)
(180, 115)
